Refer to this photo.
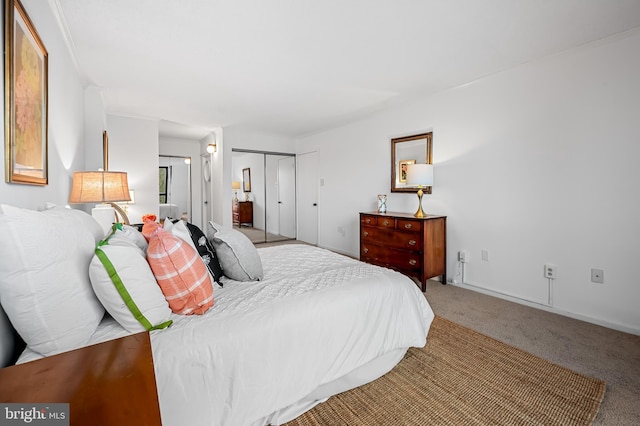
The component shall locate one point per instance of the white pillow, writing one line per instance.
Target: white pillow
(136, 236)
(237, 254)
(179, 229)
(44, 276)
(124, 283)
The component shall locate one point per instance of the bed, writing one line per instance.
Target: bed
(316, 324)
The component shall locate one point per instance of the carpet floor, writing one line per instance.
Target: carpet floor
(462, 377)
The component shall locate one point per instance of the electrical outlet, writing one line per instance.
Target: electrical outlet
(550, 271)
(597, 276)
(463, 256)
(485, 255)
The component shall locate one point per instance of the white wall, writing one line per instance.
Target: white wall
(94, 125)
(134, 148)
(66, 118)
(536, 165)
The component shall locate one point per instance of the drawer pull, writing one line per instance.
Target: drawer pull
(408, 225)
(385, 223)
(365, 233)
(368, 220)
(412, 262)
(412, 242)
(365, 250)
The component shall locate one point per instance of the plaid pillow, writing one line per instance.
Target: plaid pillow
(179, 271)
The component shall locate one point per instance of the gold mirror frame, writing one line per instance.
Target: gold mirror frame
(409, 150)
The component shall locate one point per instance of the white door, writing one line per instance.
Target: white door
(207, 213)
(287, 196)
(308, 197)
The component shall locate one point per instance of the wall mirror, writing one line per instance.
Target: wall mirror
(271, 215)
(409, 150)
(174, 189)
(246, 180)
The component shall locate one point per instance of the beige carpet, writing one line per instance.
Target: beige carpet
(462, 377)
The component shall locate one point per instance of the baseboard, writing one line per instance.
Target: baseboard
(545, 307)
(338, 251)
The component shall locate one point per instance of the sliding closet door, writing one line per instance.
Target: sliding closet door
(272, 196)
(287, 196)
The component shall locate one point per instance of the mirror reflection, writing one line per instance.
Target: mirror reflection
(407, 150)
(264, 199)
(174, 188)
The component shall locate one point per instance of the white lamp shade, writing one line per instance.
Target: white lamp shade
(419, 174)
(235, 185)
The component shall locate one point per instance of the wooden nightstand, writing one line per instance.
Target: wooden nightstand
(411, 245)
(111, 383)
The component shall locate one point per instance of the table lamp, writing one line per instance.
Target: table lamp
(235, 185)
(420, 175)
(105, 188)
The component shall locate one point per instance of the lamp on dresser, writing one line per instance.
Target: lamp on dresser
(235, 185)
(105, 188)
(420, 175)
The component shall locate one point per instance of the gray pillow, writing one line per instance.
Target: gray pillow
(237, 254)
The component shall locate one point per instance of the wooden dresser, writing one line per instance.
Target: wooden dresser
(414, 246)
(243, 213)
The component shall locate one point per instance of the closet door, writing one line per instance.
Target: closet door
(307, 193)
(287, 196)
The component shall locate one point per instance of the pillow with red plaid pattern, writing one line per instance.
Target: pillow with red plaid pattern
(179, 271)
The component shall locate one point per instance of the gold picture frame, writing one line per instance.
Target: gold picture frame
(419, 149)
(105, 151)
(25, 99)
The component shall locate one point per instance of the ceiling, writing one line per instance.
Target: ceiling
(294, 67)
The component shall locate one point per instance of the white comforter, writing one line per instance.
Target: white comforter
(265, 345)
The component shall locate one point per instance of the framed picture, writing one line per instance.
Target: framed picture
(26, 77)
(419, 148)
(402, 167)
(246, 180)
(105, 151)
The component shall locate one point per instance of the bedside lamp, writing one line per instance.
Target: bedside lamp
(235, 185)
(125, 204)
(106, 188)
(420, 175)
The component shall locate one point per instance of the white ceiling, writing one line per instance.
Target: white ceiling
(294, 67)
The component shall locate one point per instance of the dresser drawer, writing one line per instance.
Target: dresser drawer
(369, 220)
(409, 225)
(391, 238)
(392, 258)
(387, 222)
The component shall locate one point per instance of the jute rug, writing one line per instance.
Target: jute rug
(462, 377)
